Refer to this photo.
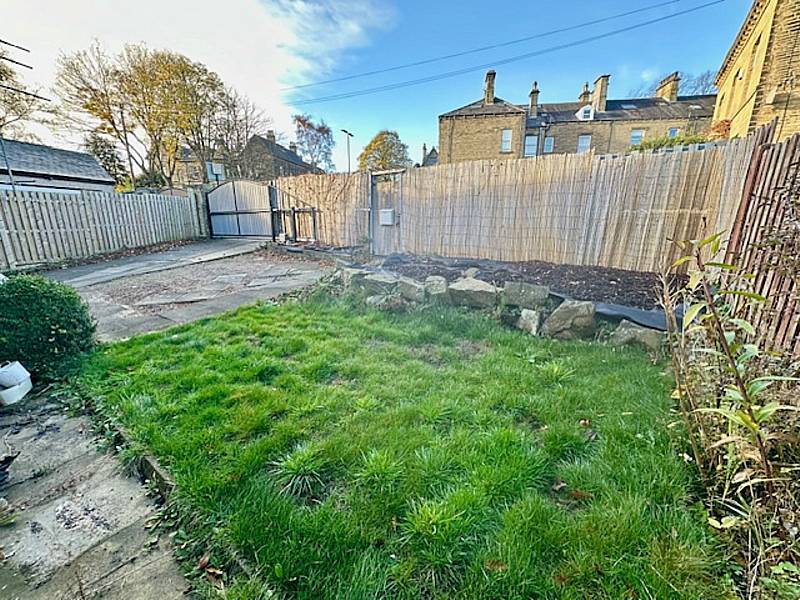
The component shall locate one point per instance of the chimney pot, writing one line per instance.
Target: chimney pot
(270, 135)
(533, 105)
(293, 147)
(600, 93)
(668, 87)
(488, 87)
(586, 95)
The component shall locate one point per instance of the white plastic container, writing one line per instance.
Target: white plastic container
(12, 395)
(12, 374)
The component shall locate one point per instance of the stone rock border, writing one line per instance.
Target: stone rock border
(526, 306)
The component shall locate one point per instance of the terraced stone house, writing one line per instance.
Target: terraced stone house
(492, 128)
(759, 80)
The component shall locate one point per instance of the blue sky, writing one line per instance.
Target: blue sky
(262, 46)
(418, 30)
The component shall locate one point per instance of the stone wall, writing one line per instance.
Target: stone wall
(613, 137)
(478, 137)
(778, 92)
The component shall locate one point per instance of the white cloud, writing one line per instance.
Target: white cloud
(259, 47)
(649, 74)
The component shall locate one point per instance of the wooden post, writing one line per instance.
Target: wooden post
(8, 250)
(294, 224)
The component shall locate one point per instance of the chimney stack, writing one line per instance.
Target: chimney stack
(533, 104)
(270, 135)
(488, 87)
(292, 147)
(586, 95)
(600, 93)
(668, 87)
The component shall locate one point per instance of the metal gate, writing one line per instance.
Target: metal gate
(241, 209)
(258, 209)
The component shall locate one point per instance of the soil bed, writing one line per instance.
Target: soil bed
(598, 284)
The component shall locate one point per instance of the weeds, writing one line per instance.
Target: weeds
(732, 403)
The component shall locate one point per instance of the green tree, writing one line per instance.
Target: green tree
(315, 141)
(384, 151)
(105, 151)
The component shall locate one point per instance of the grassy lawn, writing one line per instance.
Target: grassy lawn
(353, 454)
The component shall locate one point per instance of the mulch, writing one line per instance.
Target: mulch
(598, 284)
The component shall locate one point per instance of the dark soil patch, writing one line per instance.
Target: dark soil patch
(598, 284)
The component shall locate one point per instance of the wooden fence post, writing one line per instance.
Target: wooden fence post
(8, 249)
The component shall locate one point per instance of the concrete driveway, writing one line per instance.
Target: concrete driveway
(81, 528)
(151, 292)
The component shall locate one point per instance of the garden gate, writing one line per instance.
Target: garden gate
(241, 208)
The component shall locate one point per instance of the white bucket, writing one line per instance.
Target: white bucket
(14, 394)
(12, 373)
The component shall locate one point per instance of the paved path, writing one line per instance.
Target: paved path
(80, 527)
(151, 292)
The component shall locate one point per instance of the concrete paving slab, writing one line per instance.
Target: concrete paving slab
(74, 507)
(92, 274)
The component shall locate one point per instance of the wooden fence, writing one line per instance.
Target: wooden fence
(574, 209)
(340, 199)
(38, 228)
(765, 241)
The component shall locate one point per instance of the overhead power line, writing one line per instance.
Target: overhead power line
(484, 48)
(16, 62)
(448, 74)
(7, 43)
(23, 92)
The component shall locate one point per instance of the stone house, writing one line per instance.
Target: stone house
(759, 79)
(429, 158)
(495, 128)
(264, 158)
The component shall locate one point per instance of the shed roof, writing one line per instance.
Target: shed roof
(37, 159)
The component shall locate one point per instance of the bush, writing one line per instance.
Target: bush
(683, 139)
(43, 324)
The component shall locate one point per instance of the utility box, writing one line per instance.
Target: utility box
(386, 216)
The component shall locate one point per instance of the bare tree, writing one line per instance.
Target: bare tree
(238, 120)
(16, 108)
(690, 85)
(315, 141)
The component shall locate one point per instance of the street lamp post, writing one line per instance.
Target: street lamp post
(349, 135)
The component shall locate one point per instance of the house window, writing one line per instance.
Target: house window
(549, 143)
(584, 142)
(637, 135)
(673, 132)
(586, 114)
(531, 145)
(505, 141)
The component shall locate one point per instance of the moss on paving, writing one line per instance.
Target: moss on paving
(355, 454)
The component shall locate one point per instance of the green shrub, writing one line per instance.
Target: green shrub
(43, 324)
(683, 139)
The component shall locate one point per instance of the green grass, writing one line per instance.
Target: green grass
(353, 454)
